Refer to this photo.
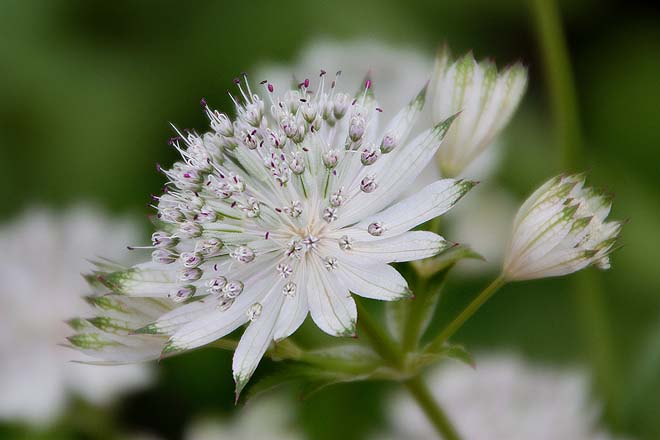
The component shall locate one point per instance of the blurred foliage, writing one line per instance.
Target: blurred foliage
(88, 88)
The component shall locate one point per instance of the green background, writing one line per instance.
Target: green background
(87, 89)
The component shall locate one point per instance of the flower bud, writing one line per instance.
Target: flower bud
(561, 229)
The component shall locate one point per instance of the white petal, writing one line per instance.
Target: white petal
(330, 303)
(371, 280)
(217, 323)
(147, 280)
(408, 246)
(170, 322)
(256, 339)
(402, 123)
(111, 349)
(432, 201)
(538, 241)
(295, 309)
(394, 173)
(556, 263)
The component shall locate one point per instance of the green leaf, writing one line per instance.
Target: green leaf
(428, 356)
(396, 313)
(311, 378)
(321, 368)
(459, 353)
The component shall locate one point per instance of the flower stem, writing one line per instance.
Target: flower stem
(466, 314)
(433, 411)
(383, 344)
(560, 80)
(590, 303)
(380, 341)
(427, 292)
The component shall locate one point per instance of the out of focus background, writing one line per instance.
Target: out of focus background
(87, 90)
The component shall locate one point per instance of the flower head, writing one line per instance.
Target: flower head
(505, 398)
(43, 255)
(486, 99)
(561, 229)
(284, 211)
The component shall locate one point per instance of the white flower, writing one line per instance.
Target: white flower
(44, 254)
(485, 98)
(561, 229)
(269, 417)
(505, 398)
(259, 226)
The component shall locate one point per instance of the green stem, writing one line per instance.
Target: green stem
(413, 323)
(433, 411)
(598, 334)
(590, 302)
(424, 301)
(383, 344)
(380, 341)
(558, 74)
(466, 314)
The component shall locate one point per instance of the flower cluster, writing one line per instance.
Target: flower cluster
(281, 212)
(505, 398)
(44, 253)
(561, 229)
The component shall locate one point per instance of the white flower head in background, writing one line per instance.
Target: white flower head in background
(486, 99)
(561, 229)
(42, 287)
(284, 212)
(268, 417)
(482, 221)
(505, 399)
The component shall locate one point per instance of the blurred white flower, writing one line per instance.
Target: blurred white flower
(485, 98)
(505, 398)
(482, 222)
(44, 255)
(561, 229)
(397, 72)
(280, 214)
(265, 418)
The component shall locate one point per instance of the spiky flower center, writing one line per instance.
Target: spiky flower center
(268, 186)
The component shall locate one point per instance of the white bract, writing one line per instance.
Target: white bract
(282, 212)
(506, 398)
(561, 229)
(485, 98)
(43, 256)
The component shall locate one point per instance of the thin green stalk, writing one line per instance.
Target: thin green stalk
(598, 334)
(425, 300)
(413, 323)
(466, 314)
(563, 96)
(385, 346)
(380, 341)
(433, 411)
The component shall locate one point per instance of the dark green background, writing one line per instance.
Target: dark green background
(87, 89)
